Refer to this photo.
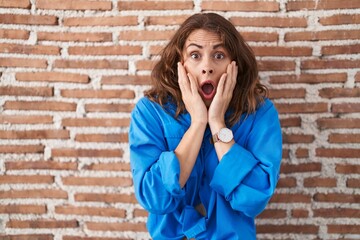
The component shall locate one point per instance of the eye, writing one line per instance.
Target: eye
(195, 55)
(219, 55)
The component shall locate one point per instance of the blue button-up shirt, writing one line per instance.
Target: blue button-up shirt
(233, 191)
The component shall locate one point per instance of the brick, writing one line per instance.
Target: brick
(337, 197)
(119, 227)
(26, 179)
(121, 137)
(23, 209)
(287, 93)
(109, 107)
(309, 78)
(97, 181)
(74, 37)
(314, 182)
(118, 94)
(146, 65)
(329, 64)
(15, 4)
(18, 149)
(260, 37)
(40, 165)
(42, 223)
(94, 64)
(290, 198)
(287, 182)
(92, 238)
(279, 22)
(322, 35)
(106, 50)
(128, 79)
(285, 153)
(35, 134)
(140, 213)
(326, 123)
(284, 228)
(339, 92)
(302, 153)
(105, 197)
(347, 169)
(27, 237)
(101, 21)
(353, 183)
(146, 35)
(23, 62)
(25, 119)
(290, 122)
(301, 167)
(26, 91)
(52, 77)
(270, 65)
(155, 5)
(344, 49)
(74, 5)
(302, 107)
(343, 138)
(89, 153)
(253, 6)
(14, 34)
(37, 193)
(299, 213)
(116, 166)
(321, 4)
(28, 19)
(338, 152)
(337, 213)
(357, 77)
(345, 107)
(41, 106)
(95, 122)
(272, 213)
(282, 51)
(29, 49)
(91, 211)
(343, 229)
(340, 19)
(298, 138)
(165, 20)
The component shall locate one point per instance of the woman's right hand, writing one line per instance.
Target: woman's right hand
(191, 97)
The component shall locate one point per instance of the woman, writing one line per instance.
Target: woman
(205, 142)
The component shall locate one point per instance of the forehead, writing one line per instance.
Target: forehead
(203, 38)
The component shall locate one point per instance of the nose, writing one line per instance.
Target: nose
(204, 71)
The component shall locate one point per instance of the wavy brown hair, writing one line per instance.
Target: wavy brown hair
(248, 92)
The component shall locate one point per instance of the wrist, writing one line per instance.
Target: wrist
(215, 126)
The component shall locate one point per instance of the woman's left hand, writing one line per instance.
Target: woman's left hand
(223, 96)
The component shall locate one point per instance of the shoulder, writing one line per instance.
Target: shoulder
(265, 106)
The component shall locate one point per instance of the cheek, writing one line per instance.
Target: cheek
(190, 67)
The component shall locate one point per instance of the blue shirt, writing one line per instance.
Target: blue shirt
(233, 191)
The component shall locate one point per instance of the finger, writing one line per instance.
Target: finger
(193, 83)
(228, 82)
(221, 84)
(182, 78)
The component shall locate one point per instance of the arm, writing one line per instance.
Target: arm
(247, 175)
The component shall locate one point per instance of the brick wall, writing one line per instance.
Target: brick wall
(71, 71)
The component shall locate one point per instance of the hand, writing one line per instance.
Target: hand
(222, 98)
(191, 97)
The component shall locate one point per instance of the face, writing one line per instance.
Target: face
(206, 59)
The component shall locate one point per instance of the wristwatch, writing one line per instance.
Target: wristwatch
(225, 135)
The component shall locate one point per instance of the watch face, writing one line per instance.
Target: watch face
(225, 135)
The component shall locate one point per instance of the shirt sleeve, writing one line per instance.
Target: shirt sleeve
(155, 169)
(247, 175)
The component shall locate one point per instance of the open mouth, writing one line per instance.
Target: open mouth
(208, 89)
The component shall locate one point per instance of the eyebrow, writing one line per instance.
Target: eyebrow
(201, 47)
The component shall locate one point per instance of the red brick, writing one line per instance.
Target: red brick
(40, 105)
(22, 62)
(25, 119)
(347, 169)
(73, 5)
(326, 123)
(94, 64)
(287, 93)
(91, 211)
(28, 19)
(282, 51)
(260, 36)
(284, 228)
(298, 138)
(302, 153)
(309, 78)
(302, 107)
(338, 152)
(339, 92)
(119, 227)
(95, 122)
(357, 77)
(155, 5)
(344, 138)
(321, 4)
(337, 213)
(165, 20)
(314, 182)
(92, 238)
(42, 223)
(301, 167)
(290, 122)
(353, 183)
(106, 50)
(97, 181)
(254, 6)
(345, 107)
(129, 79)
(337, 197)
(340, 19)
(37, 193)
(101, 21)
(123, 93)
(15, 4)
(18, 149)
(52, 77)
(322, 35)
(272, 65)
(121, 137)
(23, 209)
(290, 198)
(299, 213)
(140, 213)
(343, 229)
(109, 107)
(26, 179)
(146, 35)
(272, 214)
(27, 237)
(35, 134)
(14, 34)
(343, 49)
(93, 153)
(145, 65)
(288, 182)
(114, 166)
(29, 49)
(105, 197)
(26, 91)
(40, 165)
(74, 37)
(329, 64)
(279, 22)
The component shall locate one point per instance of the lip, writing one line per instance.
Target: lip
(205, 95)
